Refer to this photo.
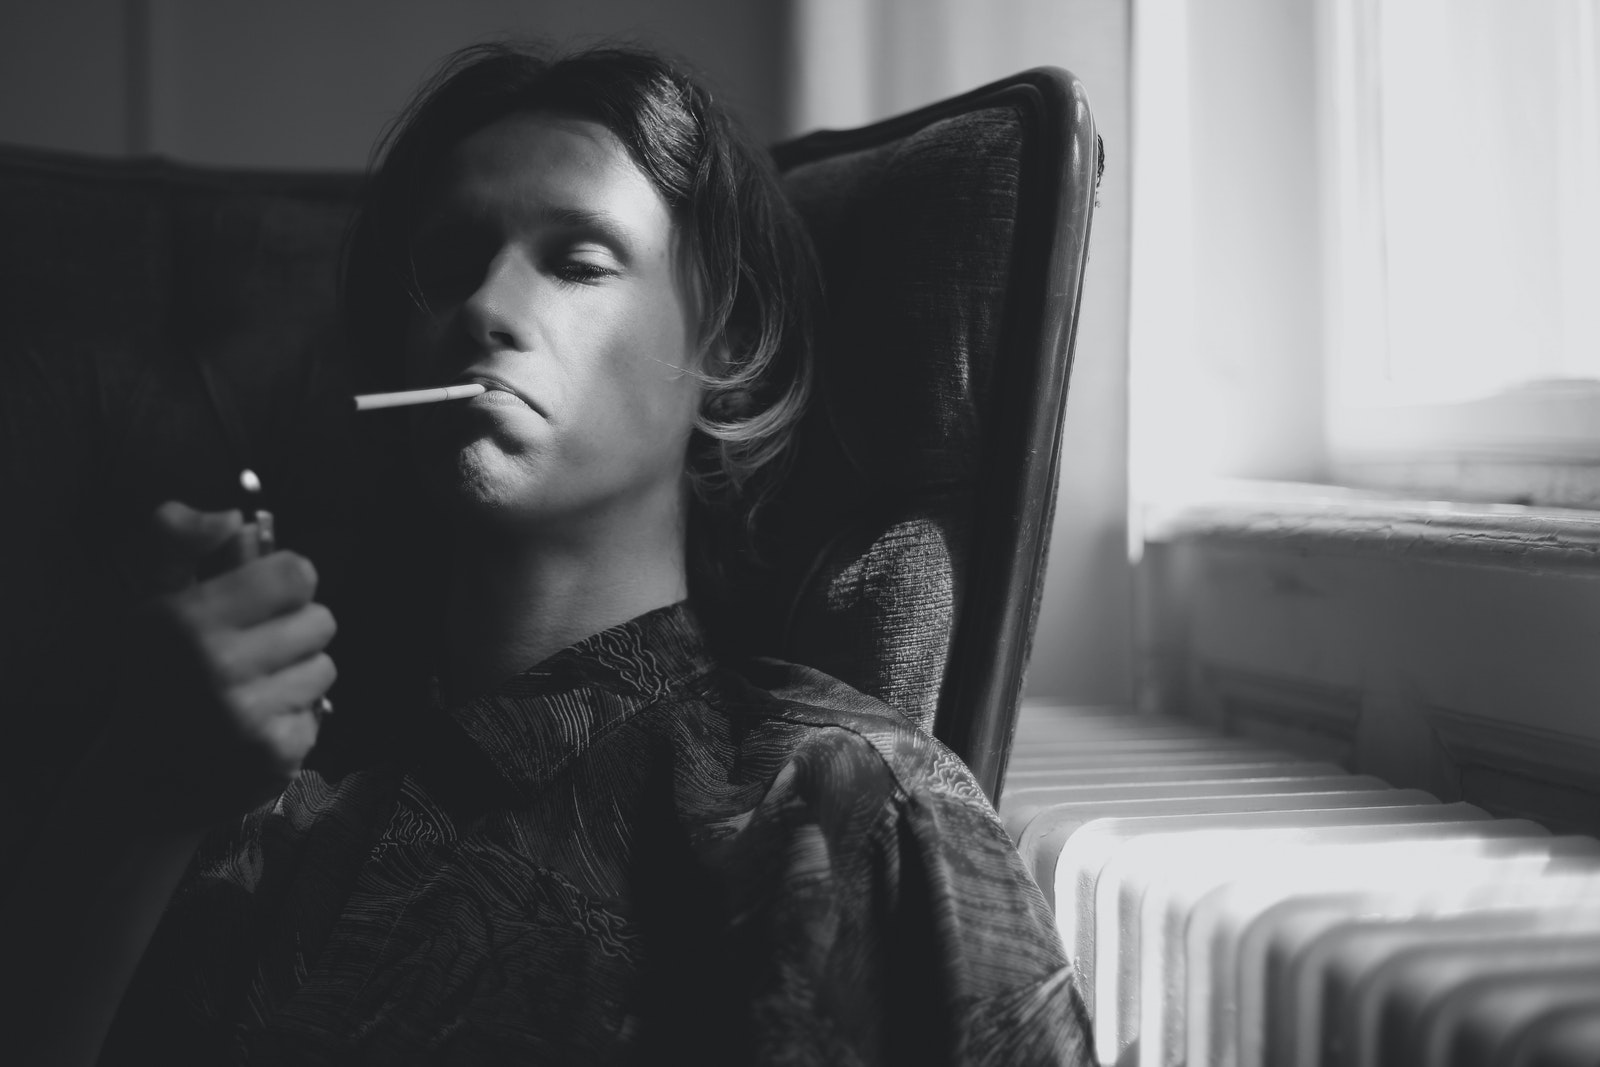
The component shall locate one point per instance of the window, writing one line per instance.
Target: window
(1367, 245)
(1462, 148)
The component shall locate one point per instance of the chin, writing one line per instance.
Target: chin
(472, 485)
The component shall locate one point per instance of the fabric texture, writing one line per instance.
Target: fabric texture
(915, 238)
(628, 853)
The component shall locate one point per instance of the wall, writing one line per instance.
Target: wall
(63, 74)
(309, 84)
(1256, 232)
(1228, 286)
(1083, 649)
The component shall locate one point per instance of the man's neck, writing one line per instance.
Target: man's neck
(514, 600)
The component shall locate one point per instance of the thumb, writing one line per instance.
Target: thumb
(185, 537)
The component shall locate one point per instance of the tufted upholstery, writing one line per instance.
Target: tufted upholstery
(164, 325)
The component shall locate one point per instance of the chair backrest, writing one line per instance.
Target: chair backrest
(953, 241)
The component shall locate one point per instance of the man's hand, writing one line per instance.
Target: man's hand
(215, 713)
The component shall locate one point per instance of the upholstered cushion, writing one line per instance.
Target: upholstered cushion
(915, 237)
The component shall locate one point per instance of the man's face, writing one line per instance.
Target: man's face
(548, 269)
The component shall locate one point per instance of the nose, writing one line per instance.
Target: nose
(499, 313)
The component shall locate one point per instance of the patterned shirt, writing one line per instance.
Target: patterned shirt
(630, 853)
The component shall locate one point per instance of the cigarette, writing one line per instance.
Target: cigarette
(372, 401)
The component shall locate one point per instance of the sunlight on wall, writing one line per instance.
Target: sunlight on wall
(1226, 332)
(1170, 447)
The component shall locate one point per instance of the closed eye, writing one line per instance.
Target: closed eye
(579, 273)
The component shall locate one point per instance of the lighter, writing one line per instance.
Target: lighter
(260, 538)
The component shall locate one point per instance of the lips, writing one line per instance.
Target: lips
(489, 381)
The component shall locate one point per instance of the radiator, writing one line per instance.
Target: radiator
(1229, 904)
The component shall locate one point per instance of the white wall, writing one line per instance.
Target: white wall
(309, 83)
(1083, 649)
(1256, 232)
(1228, 317)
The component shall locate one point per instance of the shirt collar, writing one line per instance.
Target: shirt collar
(537, 721)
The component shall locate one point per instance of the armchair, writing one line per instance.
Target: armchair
(164, 323)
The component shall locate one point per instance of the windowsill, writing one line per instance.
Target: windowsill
(1336, 519)
(1533, 443)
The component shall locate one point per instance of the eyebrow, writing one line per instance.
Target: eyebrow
(597, 222)
(607, 225)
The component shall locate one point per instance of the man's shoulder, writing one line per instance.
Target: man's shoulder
(764, 688)
(827, 721)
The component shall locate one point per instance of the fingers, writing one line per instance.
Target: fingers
(262, 589)
(223, 672)
(273, 713)
(195, 532)
(183, 537)
(239, 626)
(280, 642)
(289, 691)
